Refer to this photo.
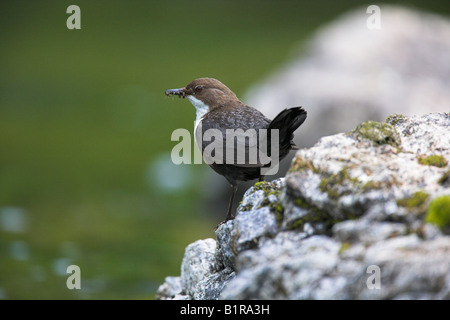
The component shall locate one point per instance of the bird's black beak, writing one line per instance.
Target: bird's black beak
(179, 92)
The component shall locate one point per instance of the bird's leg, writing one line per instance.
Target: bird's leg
(230, 216)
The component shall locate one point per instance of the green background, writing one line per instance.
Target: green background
(85, 131)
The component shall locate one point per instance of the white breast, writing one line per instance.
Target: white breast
(201, 110)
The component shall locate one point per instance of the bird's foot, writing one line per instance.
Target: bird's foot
(228, 218)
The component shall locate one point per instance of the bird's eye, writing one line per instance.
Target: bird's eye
(198, 89)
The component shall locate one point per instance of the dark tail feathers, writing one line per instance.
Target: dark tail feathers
(287, 121)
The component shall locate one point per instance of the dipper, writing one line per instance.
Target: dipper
(218, 108)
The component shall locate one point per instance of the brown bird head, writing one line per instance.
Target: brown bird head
(205, 92)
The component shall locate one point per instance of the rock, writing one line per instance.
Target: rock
(200, 278)
(171, 290)
(256, 218)
(411, 269)
(287, 266)
(366, 231)
(198, 262)
(349, 221)
(348, 175)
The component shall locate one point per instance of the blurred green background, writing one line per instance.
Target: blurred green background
(85, 171)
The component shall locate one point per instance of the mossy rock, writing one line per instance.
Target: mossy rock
(373, 185)
(320, 220)
(268, 188)
(439, 213)
(344, 247)
(247, 207)
(395, 119)
(301, 203)
(379, 133)
(278, 209)
(416, 201)
(445, 178)
(300, 164)
(433, 160)
(331, 183)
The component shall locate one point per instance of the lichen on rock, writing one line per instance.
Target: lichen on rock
(378, 132)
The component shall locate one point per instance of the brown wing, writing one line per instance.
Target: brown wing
(232, 135)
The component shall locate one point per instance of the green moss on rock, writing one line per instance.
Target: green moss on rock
(433, 160)
(372, 185)
(278, 209)
(314, 216)
(301, 203)
(268, 188)
(247, 207)
(445, 178)
(331, 183)
(377, 132)
(417, 200)
(439, 213)
(274, 206)
(395, 119)
(344, 247)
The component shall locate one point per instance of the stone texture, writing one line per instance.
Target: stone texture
(349, 206)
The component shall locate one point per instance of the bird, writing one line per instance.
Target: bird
(218, 108)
